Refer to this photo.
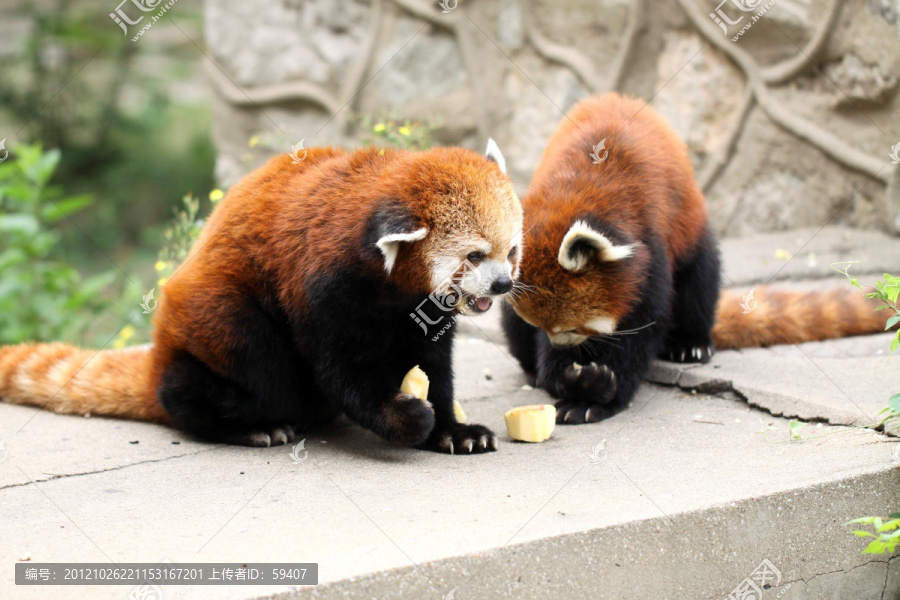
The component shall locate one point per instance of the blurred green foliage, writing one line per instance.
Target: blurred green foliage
(80, 85)
(41, 296)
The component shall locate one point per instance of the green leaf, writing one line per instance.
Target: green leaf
(859, 533)
(895, 515)
(19, 223)
(895, 343)
(891, 526)
(875, 547)
(66, 207)
(864, 520)
(855, 281)
(795, 427)
(894, 403)
(892, 321)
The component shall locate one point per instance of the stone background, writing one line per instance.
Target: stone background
(790, 126)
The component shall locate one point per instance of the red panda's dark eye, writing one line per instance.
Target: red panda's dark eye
(512, 253)
(475, 257)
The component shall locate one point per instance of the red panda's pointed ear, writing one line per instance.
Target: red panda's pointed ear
(582, 242)
(390, 228)
(493, 154)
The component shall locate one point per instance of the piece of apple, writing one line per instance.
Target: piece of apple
(531, 423)
(415, 383)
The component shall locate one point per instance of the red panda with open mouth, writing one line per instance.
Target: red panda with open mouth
(303, 299)
(621, 266)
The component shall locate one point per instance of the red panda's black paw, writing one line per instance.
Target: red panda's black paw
(409, 420)
(689, 353)
(276, 436)
(588, 384)
(462, 439)
(577, 413)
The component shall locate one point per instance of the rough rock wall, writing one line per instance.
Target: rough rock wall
(791, 125)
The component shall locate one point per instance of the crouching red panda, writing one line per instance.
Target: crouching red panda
(621, 266)
(296, 304)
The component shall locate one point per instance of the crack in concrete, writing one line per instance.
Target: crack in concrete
(806, 582)
(115, 468)
(719, 386)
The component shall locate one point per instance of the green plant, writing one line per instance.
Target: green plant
(888, 533)
(41, 297)
(887, 292)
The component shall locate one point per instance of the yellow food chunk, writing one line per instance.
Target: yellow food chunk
(415, 383)
(458, 412)
(531, 423)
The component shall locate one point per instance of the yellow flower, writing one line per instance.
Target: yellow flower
(126, 333)
(216, 195)
(119, 344)
(404, 130)
(254, 141)
(160, 265)
(378, 128)
(162, 281)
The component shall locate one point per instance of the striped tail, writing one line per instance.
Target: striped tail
(65, 379)
(792, 317)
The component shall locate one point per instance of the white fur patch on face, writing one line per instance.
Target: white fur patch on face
(602, 325)
(566, 339)
(493, 153)
(390, 245)
(581, 232)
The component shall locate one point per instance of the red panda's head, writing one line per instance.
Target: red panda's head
(578, 279)
(458, 232)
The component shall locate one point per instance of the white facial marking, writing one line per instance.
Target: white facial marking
(582, 232)
(602, 325)
(493, 153)
(566, 338)
(390, 245)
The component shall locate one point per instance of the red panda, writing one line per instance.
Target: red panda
(299, 302)
(621, 266)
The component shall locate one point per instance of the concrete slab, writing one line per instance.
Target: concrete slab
(688, 493)
(842, 382)
(682, 495)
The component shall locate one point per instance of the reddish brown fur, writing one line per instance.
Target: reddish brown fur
(791, 317)
(263, 216)
(621, 189)
(648, 185)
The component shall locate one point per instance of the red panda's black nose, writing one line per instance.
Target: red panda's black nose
(501, 285)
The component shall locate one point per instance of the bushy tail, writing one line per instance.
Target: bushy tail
(66, 379)
(774, 316)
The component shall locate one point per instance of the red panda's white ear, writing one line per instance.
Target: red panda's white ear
(493, 154)
(582, 242)
(390, 245)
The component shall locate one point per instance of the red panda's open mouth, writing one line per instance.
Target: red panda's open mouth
(476, 304)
